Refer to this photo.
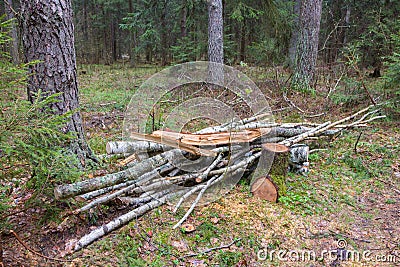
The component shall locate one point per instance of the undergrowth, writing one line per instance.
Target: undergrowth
(33, 150)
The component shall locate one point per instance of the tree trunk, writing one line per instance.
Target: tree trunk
(215, 42)
(132, 40)
(164, 41)
(215, 32)
(183, 19)
(243, 40)
(346, 24)
(307, 44)
(295, 34)
(113, 41)
(14, 49)
(48, 36)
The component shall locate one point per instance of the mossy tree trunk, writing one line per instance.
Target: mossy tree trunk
(48, 36)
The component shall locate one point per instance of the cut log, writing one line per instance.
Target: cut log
(132, 158)
(123, 147)
(270, 181)
(220, 138)
(174, 143)
(298, 160)
(264, 188)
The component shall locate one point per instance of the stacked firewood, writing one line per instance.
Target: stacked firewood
(181, 168)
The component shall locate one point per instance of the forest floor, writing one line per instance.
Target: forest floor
(352, 194)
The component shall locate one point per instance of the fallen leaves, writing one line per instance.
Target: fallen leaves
(181, 246)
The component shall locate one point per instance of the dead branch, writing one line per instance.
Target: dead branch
(122, 220)
(213, 249)
(69, 190)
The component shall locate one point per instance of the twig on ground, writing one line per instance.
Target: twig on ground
(355, 145)
(331, 90)
(350, 237)
(290, 102)
(212, 249)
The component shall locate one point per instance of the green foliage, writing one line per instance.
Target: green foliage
(392, 75)
(301, 203)
(243, 11)
(228, 258)
(33, 148)
(188, 48)
(266, 51)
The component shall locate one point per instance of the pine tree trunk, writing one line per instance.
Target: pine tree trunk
(307, 44)
(164, 41)
(295, 33)
(215, 32)
(132, 40)
(183, 18)
(215, 41)
(14, 49)
(48, 36)
(346, 24)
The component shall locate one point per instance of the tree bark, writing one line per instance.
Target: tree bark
(215, 42)
(215, 32)
(183, 18)
(307, 44)
(14, 49)
(132, 40)
(64, 191)
(48, 36)
(164, 41)
(346, 24)
(295, 34)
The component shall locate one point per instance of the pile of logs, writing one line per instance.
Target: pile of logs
(169, 167)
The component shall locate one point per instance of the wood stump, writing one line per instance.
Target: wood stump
(270, 181)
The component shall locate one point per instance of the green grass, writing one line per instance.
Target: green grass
(107, 88)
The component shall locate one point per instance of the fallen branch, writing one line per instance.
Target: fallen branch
(69, 190)
(99, 192)
(203, 189)
(124, 147)
(122, 220)
(213, 249)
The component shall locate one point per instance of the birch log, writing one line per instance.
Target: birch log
(69, 190)
(122, 220)
(120, 147)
